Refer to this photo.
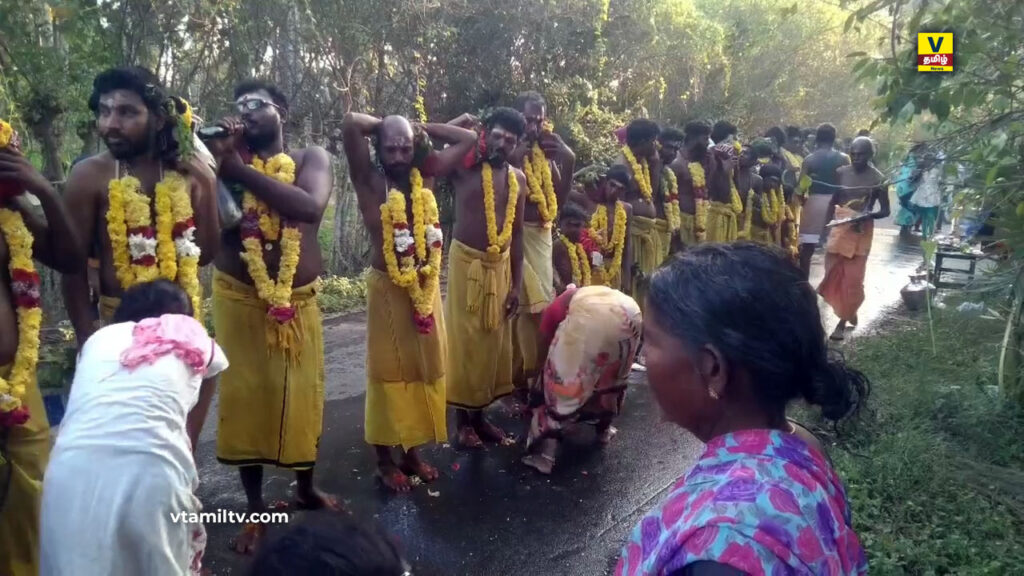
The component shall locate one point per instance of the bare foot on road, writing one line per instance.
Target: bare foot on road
(393, 478)
(412, 464)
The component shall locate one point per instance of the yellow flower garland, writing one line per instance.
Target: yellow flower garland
(25, 290)
(277, 294)
(176, 257)
(6, 134)
(577, 254)
(641, 173)
(542, 189)
(700, 195)
(670, 186)
(794, 234)
(768, 213)
(419, 275)
(496, 241)
(748, 216)
(735, 201)
(614, 244)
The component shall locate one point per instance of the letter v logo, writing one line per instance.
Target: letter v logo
(935, 42)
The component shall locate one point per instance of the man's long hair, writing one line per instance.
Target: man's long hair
(159, 103)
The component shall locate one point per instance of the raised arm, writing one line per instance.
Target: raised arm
(304, 201)
(460, 141)
(81, 198)
(56, 243)
(565, 163)
(355, 129)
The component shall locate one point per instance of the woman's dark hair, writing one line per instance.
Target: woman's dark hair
(755, 307)
(255, 85)
(508, 118)
(152, 300)
(722, 130)
(641, 130)
(776, 133)
(329, 543)
(620, 174)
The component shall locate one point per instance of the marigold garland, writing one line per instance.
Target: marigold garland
(6, 134)
(25, 292)
(670, 193)
(641, 173)
(142, 252)
(793, 238)
(768, 212)
(748, 215)
(609, 244)
(541, 187)
(735, 201)
(700, 195)
(259, 224)
(496, 241)
(577, 254)
(419, 250)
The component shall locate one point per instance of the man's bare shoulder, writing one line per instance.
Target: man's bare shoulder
(317, 154)
(844, 170)
(629, 209)
(89, 175)
(876, 173)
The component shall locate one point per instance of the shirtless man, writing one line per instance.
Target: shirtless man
(26, 449)
(132, 119)
(750, 186)
(537, 290)
(716, 165)
(606, 195)
(821, 167)
(572, 220)
(405, 366)
(485, 272)
(640, 157)
(670, 141)
(861, 186)
(271, 398)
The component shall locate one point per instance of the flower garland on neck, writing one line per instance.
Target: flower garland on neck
(700, 196)
(261, 224)
(142, 252)
(538, 180)
(735, 200)
(25, 288)
(413, 257)
(577, 254)
(769, 207)
(641, 173)
(670, 194)
(748, 214)
(793, 238)
(498, 241)
(609, 244)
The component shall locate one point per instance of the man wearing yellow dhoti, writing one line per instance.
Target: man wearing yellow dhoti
(544, 158)
(406, 339)
(264, 302)
(669, 221)
(640, 156)
(485, 273)
(24, 430)
(147, 206)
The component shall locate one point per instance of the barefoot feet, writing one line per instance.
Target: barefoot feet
(491, 433)
(392, 477)
(249, 539)
(413, 465)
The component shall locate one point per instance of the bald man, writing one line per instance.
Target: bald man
(405, 350)
(860, 186)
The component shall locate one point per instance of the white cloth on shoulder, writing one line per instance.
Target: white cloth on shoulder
(122, 463)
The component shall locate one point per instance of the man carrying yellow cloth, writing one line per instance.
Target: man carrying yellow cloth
(265, 311)
(543, 157)
(485, 272)
(406, 339)
(24, 429)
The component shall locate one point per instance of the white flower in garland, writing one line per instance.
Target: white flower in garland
(185, 245)
(403, 240)
(597, 258)
(140, 246)
(434, 236)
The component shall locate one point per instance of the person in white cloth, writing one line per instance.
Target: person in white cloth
(122, 470)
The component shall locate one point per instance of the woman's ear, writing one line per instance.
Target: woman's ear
(713, 370)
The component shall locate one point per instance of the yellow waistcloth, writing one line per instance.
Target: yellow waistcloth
(538, 289)
(108, 305)
(479, 337)
(722, 225)
(646, 253)
(271, 398)
(687, 229)
(664, 237)
(405, 394)
(28, 448)
(761, 234)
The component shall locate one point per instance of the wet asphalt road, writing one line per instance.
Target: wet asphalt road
(488, 514)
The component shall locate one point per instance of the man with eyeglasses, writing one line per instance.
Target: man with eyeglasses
(265, 310)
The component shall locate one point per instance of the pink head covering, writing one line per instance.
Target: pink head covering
(183, 336)
(620, 134)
